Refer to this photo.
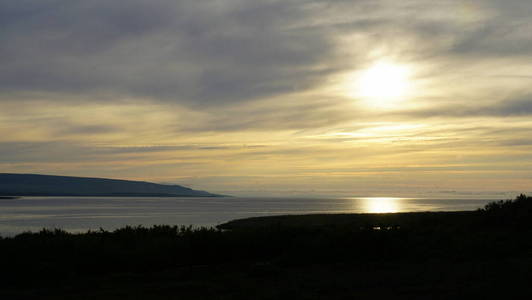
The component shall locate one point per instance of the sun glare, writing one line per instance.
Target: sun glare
(382, 84)
(381, 204)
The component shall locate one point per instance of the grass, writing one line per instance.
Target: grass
(441, 255)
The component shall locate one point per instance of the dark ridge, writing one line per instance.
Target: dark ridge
(51, 185)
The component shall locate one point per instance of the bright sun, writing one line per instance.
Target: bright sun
(382, 84)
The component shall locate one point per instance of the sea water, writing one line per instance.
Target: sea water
(78, 214)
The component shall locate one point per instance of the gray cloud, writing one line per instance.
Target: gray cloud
(480, 29)
(518, 107)
(33, 152)
(216, 52)
(154, 148)
(494, 40)
(253, 92)
(293, 114)
(86, 130)
(527, 142)
(175, 50)
(71, 152)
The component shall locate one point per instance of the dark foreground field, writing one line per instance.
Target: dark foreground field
(452, 255)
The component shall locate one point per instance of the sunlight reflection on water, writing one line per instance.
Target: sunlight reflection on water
(83, 213)
(382, 204)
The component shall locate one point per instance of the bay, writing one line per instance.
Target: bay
(79, 214)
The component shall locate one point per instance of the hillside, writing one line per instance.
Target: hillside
(48, 185)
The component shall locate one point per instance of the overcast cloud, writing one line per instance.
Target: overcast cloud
(220, 91)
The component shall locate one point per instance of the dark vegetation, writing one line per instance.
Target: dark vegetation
(446, 255)
(49, 185)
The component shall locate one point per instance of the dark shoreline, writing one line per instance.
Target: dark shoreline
(9, 197)
(443, 255)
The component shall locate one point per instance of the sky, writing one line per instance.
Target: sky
(261, 98)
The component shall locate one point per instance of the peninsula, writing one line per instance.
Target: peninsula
(49, 185)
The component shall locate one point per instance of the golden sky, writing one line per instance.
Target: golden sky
(351, 98)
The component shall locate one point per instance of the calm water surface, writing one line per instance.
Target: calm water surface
(83, 213)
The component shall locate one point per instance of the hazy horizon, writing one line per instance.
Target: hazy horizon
(295, 194)
(80, 214)
(266, 98)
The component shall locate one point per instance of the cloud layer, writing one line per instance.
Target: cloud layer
(236, 95)
(179, 51)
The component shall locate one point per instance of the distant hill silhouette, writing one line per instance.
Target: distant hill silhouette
(49, 185)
